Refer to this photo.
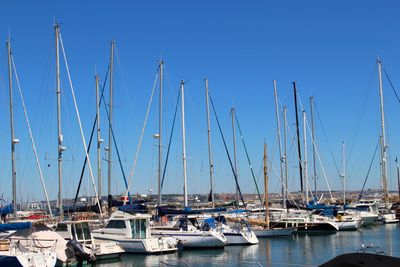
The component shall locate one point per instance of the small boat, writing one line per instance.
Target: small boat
(80, 231)
(388, 216)
(132, 232)
(238, 233)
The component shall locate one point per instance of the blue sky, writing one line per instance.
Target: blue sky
(328, 48)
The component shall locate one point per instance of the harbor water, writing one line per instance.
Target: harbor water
(297, 250)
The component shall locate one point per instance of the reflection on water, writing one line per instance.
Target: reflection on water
(298, 250)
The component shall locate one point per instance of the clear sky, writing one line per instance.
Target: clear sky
(328, 47)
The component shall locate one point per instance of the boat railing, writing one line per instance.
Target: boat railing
(18, 244)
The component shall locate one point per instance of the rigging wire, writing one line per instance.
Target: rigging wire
(227, 152)
(318, 156)
(141, 137)
(170, 139)
(369, 169)
(391, 85)
(248, 158)
(90, 143)
(31, 136)
(80, 123)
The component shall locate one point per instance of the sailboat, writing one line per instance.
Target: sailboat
(186, 228)
(264, 229)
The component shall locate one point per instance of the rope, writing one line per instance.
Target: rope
(170, 140)
(31, 137)
(369, 169)
(79, 122)
(141, 138)
(227, 152)
(319, 158)
(391, 84)
(90, 144)
(248, 158)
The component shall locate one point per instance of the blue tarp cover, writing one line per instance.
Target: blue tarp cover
(15, 226)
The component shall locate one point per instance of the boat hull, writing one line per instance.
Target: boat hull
(142, 246)
(193, 240)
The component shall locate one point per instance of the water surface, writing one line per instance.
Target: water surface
(297, 250)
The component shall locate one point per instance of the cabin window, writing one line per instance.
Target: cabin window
(119, 224)
(138, 228)
(61, 227)
(81, 231)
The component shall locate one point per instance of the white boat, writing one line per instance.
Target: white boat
(236, 233)
(80, 231)
(132, 232)
(39, 238)
(14, 253)
(348, 223)
(190, 235)
(388, 216)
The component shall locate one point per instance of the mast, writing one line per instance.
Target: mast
(313, 145)
(109, 128)
(13, 139)
(305, 181)
(298, 136)
(343, 174)
(398, 178)
(266, 186)
(160, 135)
(60, 147)
(384, 146)
(99, 140)
(234, 152)
(184, 145)
(278, 126)
(210, 159)
(285, 151)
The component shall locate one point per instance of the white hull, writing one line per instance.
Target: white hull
(144, 246)
(348, 225)
(390, 218)
(198, 239)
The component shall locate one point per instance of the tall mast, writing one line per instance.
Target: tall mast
(285, 151)
(313, 145)
(109, 127)
(99, 140)
(278, 126)
(234, 152)
(398, 178)
(305, 181)
(184, 145)
(266, 186)
(343, 174)
(384, 145)
(160, 134)
(60, 148)
(13, 139)
(210, 159)
(298, 136)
